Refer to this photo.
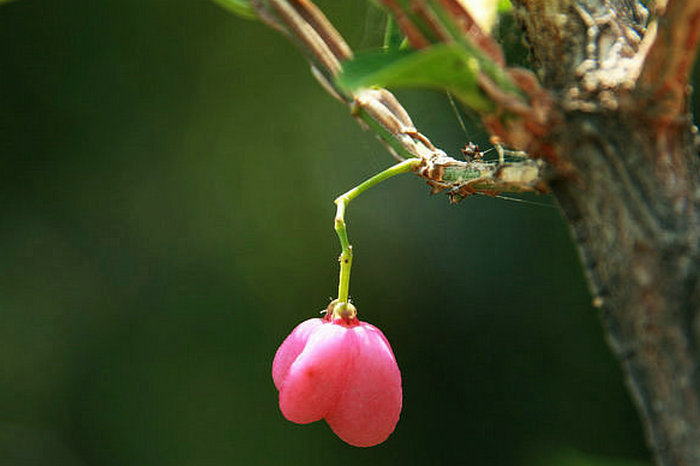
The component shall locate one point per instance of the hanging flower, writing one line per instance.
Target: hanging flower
(344, 371)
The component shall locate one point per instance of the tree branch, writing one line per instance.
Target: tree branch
(523, 113)
(380, 111)
(663, 81)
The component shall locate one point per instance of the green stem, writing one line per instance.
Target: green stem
(341, 230)
(389, 32)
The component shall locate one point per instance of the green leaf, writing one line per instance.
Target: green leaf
(504, 6)
(240, 7)
(393, 39)
(443, 66)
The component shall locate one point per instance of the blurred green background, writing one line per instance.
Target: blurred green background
(166, 188)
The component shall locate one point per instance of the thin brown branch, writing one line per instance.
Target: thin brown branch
(523, 114)
(312, 39)
(470, 28)
(379, 110)
(324, 28)
(666, 70)
(414, 35)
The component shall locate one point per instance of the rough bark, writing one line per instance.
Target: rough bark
(628, 182)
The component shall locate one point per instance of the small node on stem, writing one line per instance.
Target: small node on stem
(345, 311)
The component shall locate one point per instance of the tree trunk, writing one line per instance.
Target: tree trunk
(628, 184)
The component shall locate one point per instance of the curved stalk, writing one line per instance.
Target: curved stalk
(346, 254)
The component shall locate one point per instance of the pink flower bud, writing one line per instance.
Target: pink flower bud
(343, 371)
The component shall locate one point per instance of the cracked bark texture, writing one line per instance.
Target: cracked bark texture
(627, 180)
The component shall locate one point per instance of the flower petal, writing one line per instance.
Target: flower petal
(318, 376)
(368, 409)
(290, 349)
